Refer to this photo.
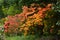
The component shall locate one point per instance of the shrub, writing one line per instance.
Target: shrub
(32, 20)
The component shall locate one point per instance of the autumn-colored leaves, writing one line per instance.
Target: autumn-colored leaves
(29, 19)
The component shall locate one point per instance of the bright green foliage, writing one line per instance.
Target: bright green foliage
(11, 10)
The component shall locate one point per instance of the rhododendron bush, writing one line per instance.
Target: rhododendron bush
(33, 20)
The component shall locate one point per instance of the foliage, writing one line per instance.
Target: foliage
(29, 17)
(12, 10)
(1, 33)
(30, 21)
(30, 37)
(7, 4)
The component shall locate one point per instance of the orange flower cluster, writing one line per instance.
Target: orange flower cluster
(29, 19)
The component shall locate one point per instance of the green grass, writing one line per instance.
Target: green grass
(31, 37)
(13, 38)
(21, 38)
